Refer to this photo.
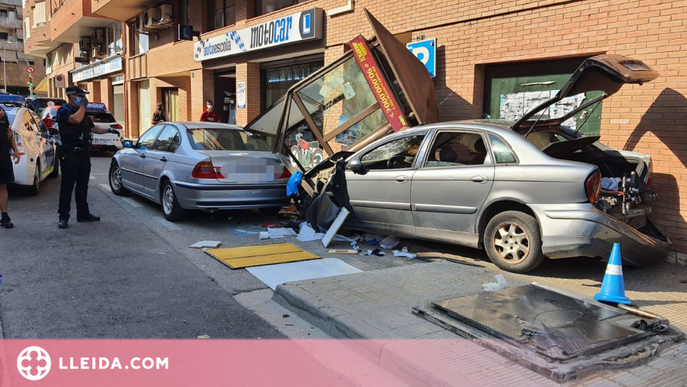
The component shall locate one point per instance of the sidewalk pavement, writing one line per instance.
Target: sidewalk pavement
(378, 305)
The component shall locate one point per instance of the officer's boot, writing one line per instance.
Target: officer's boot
(5, 221)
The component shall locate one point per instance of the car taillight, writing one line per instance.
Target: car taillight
(20, 144)
(285, 175)
(648, 179)
(116, 126)
(205, 170)
(593, 186)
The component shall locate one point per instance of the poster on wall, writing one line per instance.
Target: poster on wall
(241, 95)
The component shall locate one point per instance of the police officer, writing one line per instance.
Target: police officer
(75, 155)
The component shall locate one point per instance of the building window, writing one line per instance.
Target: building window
(266, 6)
(139, 42)
(114, 39)
(4, 36)
(3, 13)
(222, 13)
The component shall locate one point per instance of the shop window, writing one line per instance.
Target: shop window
(279, 80)
(266, 6)
(222, 13)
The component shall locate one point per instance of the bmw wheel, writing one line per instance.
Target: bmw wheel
(512, 241)
(170, 204)
(116, 185)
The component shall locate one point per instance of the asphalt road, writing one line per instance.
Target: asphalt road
(117, 278)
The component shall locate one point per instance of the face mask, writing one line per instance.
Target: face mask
(210, 107)
(78, 100)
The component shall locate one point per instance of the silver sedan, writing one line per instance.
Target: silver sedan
(200, 166)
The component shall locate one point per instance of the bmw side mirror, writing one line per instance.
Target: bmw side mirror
(356, 166)
(128, 144)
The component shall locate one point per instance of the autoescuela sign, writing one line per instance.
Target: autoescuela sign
(380, 88)
(295, 28)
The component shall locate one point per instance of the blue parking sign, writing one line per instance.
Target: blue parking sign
(426, 52)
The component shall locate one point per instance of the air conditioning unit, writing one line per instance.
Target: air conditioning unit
(140, 23)
(85, 44)
(151, 17)
(98, 36)
(97, 52)
(165, 14)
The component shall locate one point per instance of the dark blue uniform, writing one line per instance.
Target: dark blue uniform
(75, 160)
(6, 167)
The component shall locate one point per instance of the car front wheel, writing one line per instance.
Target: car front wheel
(170, 204)
(116, 181)
(35, 187)
(512, 241)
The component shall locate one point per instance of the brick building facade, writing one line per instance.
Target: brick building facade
(482, 47)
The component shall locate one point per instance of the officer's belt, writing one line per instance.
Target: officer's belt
(75, 149)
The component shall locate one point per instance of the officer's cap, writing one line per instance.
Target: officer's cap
(75, 90)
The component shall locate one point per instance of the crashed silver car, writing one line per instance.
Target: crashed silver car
(522, 190)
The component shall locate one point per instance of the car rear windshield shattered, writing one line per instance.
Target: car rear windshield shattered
(223, 139)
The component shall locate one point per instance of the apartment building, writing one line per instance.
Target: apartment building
(14, 77)
(487, 53)
(79, 48)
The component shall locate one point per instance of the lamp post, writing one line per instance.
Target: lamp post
(4, 65)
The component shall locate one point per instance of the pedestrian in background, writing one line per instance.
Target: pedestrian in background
(29, 104)
(75, 155)
(7, 143)
(159, 114)
(209, 115)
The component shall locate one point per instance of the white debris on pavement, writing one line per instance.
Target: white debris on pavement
(275, 233)
(499, 285)
(389, 242)
(308, 234)
(404, 253)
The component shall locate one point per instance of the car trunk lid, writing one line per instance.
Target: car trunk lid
(246, 167)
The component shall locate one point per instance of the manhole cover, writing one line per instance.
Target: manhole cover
(553, 324)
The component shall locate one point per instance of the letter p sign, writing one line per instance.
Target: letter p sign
(426, 52)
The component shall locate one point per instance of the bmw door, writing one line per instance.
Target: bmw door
(449, 189)
(46, 144)
(380, 193)
(131, 160)
(156, 159)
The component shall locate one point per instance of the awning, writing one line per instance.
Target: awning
(42, 86)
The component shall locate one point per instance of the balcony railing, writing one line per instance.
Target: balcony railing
(13, 45)
(7, 22)
(137, 67)
(56, 5)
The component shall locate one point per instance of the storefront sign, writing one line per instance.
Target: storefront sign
(106, 66)
(241, 95)
(295, 28)
(426, 52)
(380, 88)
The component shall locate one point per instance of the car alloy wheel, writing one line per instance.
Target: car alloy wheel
(511, 243)
(35, 187)
(168, 199)
(116, 178)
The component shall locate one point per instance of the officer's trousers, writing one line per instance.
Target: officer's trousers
(76, 169)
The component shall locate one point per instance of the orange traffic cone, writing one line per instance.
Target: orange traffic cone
(613, 287)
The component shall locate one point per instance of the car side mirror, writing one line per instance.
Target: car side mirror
(356, 166)
(128, 144)
(53, 131)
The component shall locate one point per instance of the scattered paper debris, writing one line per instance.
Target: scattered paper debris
(280, 232)
(202, 244)
(376, 252)
(373, 239)
(308, 234)
(389, 242)
(404, 253)
(264, 235)
(499, 285)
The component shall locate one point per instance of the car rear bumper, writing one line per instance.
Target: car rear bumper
(592, 233)
(227, 197)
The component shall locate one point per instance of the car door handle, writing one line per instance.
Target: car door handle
(401, 179)
(163, 159)
(478, 179)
